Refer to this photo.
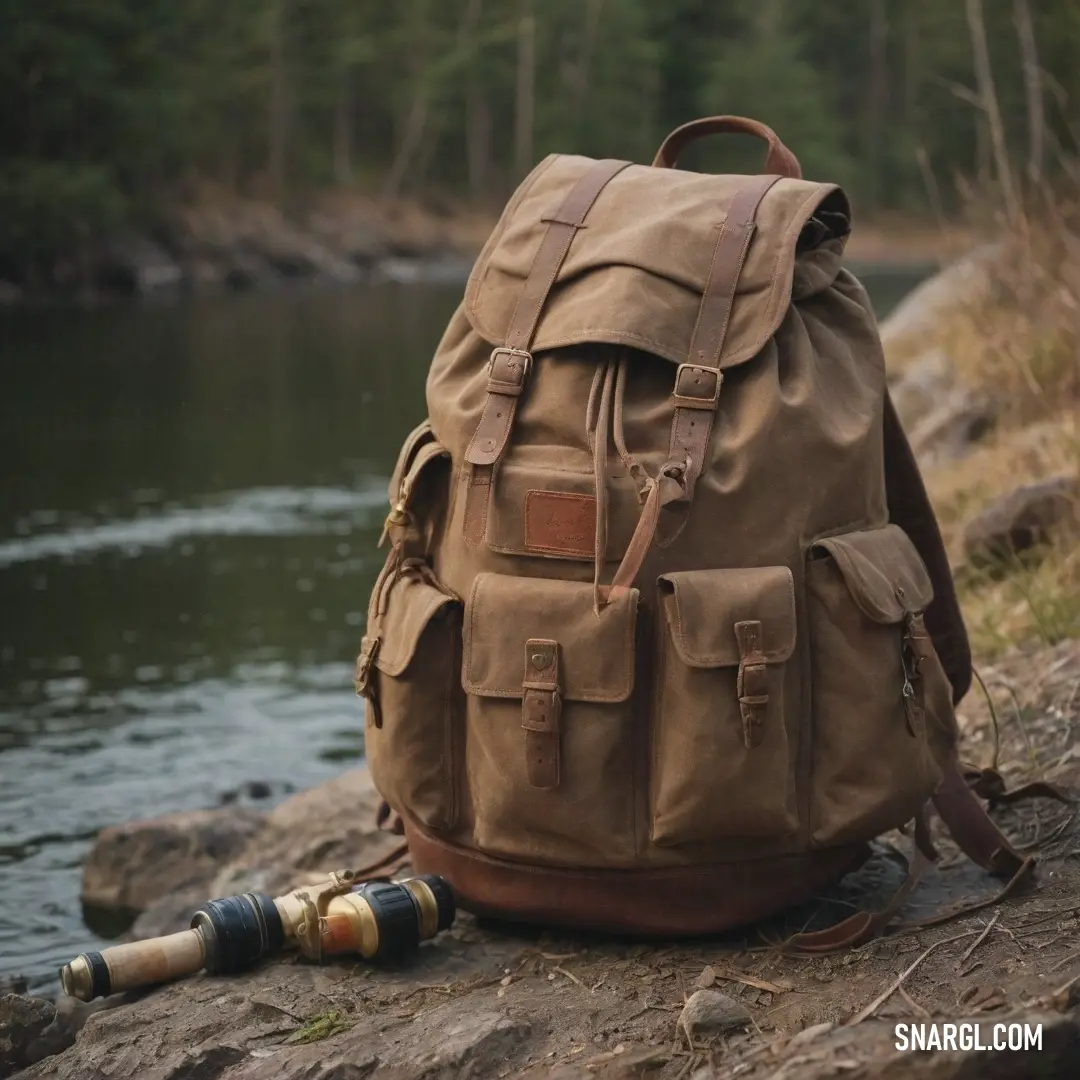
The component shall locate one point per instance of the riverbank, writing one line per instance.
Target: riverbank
(484, 1000)
(233, 245)
(225, 244)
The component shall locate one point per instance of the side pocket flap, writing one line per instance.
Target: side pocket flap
(411, 605)
(596, 652)
(883, 571)
(419, 447)
(703, 606)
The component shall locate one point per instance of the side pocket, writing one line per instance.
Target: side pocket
(408, 672)
(882, 708)
(722, 765)
(548, 685)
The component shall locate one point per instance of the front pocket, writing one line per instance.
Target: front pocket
(882, 707)
(408, 672)
(548, 684)
(722, 767)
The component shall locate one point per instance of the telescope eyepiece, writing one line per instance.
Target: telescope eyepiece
(444, 900)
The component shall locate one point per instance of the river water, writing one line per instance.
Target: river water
(192, 494)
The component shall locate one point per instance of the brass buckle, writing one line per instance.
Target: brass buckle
(684, 401)
(526, 359)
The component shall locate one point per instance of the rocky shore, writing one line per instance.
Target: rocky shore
(241, 245)
(485, 1000)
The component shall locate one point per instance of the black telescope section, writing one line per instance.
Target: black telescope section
(101, 982)
(397, 915)
(240, 931)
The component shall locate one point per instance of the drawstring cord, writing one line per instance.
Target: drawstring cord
(655, 492)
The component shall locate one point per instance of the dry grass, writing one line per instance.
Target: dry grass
(1019, 342)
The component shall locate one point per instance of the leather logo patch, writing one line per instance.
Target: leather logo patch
(560, 523)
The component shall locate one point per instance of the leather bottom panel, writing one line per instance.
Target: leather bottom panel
(682, 901)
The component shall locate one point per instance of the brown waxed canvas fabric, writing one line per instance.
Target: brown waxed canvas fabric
(647, 621)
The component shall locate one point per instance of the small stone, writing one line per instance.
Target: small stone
(706, 978)
(708, 1012)
(23, 1021)
(1025, 518)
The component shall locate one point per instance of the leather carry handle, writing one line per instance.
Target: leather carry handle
(779, 158)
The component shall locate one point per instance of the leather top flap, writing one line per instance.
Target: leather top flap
(596, 652)
(412, 604)
(883, 571)
(702, 607)
(636, 271)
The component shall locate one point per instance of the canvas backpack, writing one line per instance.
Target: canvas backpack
(666, 633)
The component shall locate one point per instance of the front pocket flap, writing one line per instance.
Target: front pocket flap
(596, 652)
(412, 604)
(703, 606)
(883, 571)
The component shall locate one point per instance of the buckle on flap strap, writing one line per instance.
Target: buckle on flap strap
(697, 387)
(508, 370)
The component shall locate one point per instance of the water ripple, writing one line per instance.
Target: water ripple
(267, 511)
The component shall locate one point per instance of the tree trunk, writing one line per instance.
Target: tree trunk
(279, 108)
(593, 12)
(478, 138)
(877, 97)
(1033, 90)
(416, 119)
(984, 78)
(477, 115)
(343, 120)
(526, 90)
(410, 143)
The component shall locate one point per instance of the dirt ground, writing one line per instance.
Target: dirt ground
(492, 1001)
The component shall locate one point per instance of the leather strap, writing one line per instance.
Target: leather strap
(910, 508)
(510, 364)
(977, 836)
(972, 828)
(752, 684)
(391, 863)
(864, 926)
(698, 381)
(778, 160)
(989, 784)
(387, 819)
(541, 707)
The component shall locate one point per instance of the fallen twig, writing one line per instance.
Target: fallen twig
(918, 1009)
(1037, 843)
(690, 1063)
(979, 940)
(749, 980)
(893, 987)
(995, 727)
(1054, 995)
(1065, 960)
(571, 977)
